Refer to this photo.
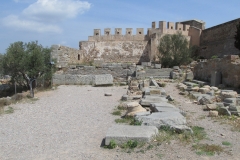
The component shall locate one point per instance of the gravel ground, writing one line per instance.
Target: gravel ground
(71, 122)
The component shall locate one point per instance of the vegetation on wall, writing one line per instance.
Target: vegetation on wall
(1, 68)
(174, 50)
(27, 61)
(237, 37)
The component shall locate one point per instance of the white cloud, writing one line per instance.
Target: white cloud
(28, 25)
(43, 15)
(55, 10)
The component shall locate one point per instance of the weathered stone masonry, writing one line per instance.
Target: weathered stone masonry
(219, 40)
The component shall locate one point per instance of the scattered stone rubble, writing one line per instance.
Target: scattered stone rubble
(216, 101)
(149, 104)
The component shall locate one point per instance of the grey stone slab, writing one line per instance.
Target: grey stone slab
(201, 83)
(216, 78)
(159, 119)
(162, 104)
(189, 76)
(191, 84)
(230, 101)
(153, 83)
(123, 133)
(143, 113)
(104, 79)
(58, 79)
(157, 66)
(152, 99)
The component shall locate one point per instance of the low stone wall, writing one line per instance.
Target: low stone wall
(69, 79)
(226, 69)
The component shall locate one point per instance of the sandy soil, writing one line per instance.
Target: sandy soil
(71, 122)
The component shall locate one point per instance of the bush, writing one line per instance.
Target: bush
(112, 145)
(174, 50)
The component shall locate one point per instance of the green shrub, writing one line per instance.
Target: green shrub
(112, 145)
(225, 143)
(214, 57)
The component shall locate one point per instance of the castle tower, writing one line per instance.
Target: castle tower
(179, 26)
(97, 32)
(129, 31)
(153, 25)
(170, 25)
(107, 31)
(118, 31)
(140, 31)
(162, 26)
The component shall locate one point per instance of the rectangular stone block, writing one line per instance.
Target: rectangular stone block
(216, 78)
(102, 80)
(123, 133)
(146, 64)
(157, 66)
(58, 79)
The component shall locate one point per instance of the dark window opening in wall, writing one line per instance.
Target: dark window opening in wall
(107, 33)
(97, 34)
(180, 29)
(171, 27)
(140, 32)
(129, 32)
(78, 56)
(117, 32)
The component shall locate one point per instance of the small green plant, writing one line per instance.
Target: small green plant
(126, 119)
(214, 57)
(166, 134)
(9, 110)
(116, 113)
(121, 107)
(206, 149)
(130, 144)
(136, 122)
(112, 145)
(199, 133)
(225, 143)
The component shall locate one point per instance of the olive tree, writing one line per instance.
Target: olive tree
(174, 50)
(26, 62)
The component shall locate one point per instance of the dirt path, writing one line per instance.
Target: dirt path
(71, 122)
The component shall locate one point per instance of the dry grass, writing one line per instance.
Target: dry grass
(233, 121)
(206, 149)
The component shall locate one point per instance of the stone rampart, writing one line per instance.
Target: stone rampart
(228, 67)
(219, 40)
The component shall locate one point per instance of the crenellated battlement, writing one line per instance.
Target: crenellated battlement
(169, 28)
(118, 35)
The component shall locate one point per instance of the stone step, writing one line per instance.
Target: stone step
(123, 133)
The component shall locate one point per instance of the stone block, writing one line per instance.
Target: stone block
(87, 68)
(58, 79)
(157, 66)
(216, 78)
(153, 82)
(189, 76)
(140, 74)
(224, 111)
(123, 133)
(146, 64)
(229, 101)
(146, 101)
(213, 113)
(163, 107)
(159, 119)
(102, 80)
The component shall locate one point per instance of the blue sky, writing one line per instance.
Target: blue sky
(66, 22)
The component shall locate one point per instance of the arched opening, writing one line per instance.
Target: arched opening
(78, 56)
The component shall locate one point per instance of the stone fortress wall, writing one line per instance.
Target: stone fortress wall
(219, 40)
(119, 47)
